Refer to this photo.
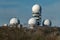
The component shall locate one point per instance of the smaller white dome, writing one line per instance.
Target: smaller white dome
(31, 27)
(47, 22)
(32, 21)
(14, 21)
(36, 8)
(5, 25)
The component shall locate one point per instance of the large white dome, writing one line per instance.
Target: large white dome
(47, 22)
(32, 21)
(36, 8)
(14, 21)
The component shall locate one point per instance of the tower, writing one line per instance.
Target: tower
(36, 13)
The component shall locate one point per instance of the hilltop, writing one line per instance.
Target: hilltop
(41, 33)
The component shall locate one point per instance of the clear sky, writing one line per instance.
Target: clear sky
(22, 10)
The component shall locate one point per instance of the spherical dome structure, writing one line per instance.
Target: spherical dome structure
(36, 8)
(14, 21)
(32, 21)
(5, 25)
(47, 22)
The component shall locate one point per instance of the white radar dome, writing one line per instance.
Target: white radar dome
(36, 8)
(32, 21)
(5, 25)
(14, 21)
(47, 22)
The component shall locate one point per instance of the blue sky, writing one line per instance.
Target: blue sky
(22, 10)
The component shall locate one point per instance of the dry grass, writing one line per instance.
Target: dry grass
(41, 33)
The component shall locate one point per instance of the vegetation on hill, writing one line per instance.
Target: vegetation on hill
(41, 33)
